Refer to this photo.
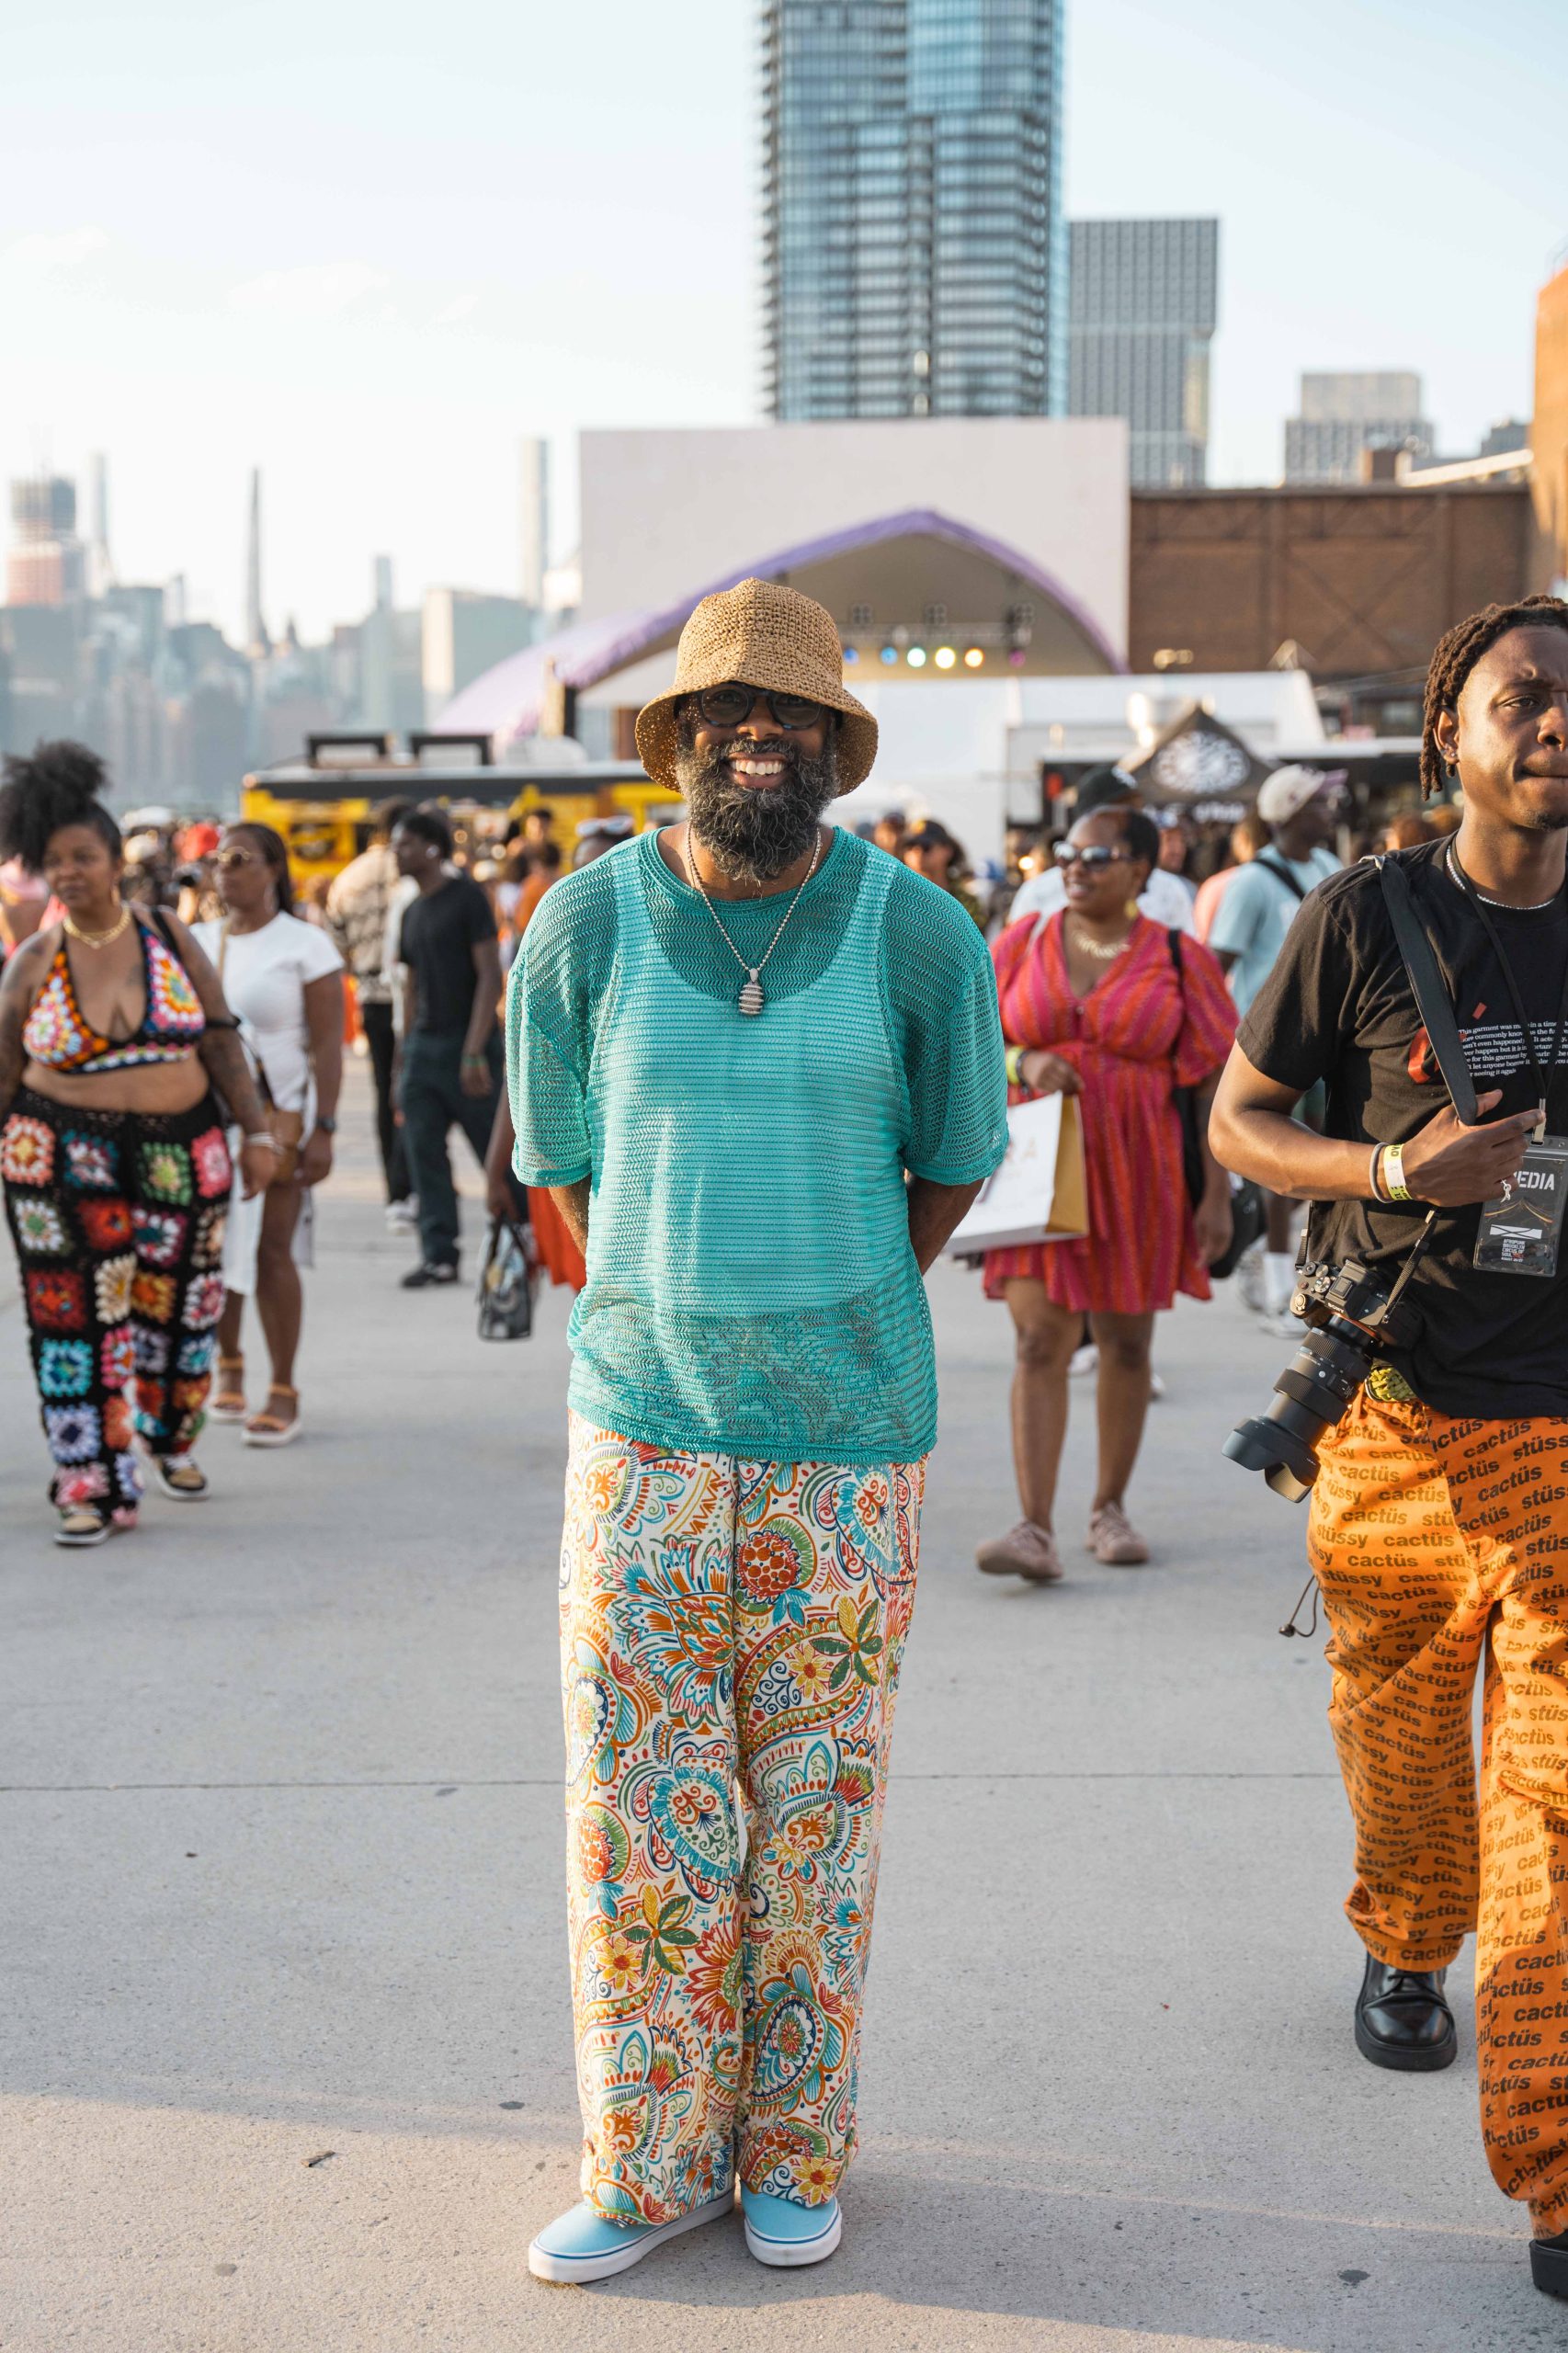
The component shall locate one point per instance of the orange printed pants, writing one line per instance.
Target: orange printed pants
(1440, 1544)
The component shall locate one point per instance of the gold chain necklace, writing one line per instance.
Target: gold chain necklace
(751, 999)
(97, 939)
(1101, 954)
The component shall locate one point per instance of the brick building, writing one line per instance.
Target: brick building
(1360, 580)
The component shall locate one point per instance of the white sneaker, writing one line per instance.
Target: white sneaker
(1249, 1279)
(1085, 1359)
(1157, 1389)
(402, 1216)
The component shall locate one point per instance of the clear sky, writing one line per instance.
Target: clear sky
(365, 247)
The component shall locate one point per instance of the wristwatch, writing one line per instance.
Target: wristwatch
(328, 1126)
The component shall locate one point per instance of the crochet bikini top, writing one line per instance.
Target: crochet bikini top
(56, 1035)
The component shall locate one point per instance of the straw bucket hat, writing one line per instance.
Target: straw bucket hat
(761, 635)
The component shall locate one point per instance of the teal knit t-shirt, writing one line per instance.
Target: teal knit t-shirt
(751, 1286)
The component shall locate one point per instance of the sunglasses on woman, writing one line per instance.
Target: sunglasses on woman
(732, 706)
(1091, 859)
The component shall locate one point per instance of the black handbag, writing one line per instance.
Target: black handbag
(506, 1283)
(1248, 1215)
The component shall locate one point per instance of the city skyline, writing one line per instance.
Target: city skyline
(220, 259)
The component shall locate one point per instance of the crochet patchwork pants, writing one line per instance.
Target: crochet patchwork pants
(1441, 1545)
(118, 1218)
(731, 1636)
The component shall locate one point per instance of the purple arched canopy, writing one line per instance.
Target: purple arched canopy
(504, 702)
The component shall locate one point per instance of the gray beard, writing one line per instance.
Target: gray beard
(755, 832)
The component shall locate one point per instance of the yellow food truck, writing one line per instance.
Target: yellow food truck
(324, 803)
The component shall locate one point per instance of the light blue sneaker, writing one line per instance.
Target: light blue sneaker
(580, 2244)
(782, 2233)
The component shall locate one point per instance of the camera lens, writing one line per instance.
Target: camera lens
(1310, 1396)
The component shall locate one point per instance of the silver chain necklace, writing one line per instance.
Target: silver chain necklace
(1507, 906)
(751, 999)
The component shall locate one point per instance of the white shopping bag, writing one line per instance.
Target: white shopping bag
(1039, 1194)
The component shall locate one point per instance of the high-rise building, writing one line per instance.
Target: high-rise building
(914, 242)
(1549, 430)
(391, 689)
(533, 518)
(1343, 414)
(464, 634)
(46, 562)
(1141, 308)
(257, 642)
(100, 564)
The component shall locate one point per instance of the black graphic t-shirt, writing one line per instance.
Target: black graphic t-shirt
(1337, 1006)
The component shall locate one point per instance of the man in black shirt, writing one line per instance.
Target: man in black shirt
(1439, 1520)
(452, 1056)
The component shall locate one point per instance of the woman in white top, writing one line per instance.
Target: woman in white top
(284, 979)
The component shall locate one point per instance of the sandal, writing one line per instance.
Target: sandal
(81, 1525)
(180, 1476)
(229, 1399)
(271, 1430)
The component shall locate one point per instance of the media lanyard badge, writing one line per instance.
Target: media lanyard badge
(1521, 1232)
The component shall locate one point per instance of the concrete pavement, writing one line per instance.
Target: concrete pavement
(284, 2033)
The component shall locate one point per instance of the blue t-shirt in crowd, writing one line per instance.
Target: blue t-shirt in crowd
(1257, 911)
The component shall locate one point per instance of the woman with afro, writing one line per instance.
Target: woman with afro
(112, 1153)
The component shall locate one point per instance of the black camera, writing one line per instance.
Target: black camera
(1352, 1317)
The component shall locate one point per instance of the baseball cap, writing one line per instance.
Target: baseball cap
(1291, 788)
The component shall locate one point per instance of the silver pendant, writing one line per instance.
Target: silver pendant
(750, 998)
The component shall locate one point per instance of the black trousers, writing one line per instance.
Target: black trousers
(377, 1023)
(433, 1103)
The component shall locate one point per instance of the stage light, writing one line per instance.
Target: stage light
(1016, 659)
(916, 658)
(889, 654)
(974, 657)
(943, 657)
(851, 654)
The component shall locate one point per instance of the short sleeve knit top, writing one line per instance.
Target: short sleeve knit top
(751, 1288)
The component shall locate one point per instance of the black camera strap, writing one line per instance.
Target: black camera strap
(1432, 999)
(1484, 912)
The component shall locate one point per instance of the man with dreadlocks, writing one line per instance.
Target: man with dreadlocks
(1439, 1522)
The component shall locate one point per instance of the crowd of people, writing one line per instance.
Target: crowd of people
(741, 1080)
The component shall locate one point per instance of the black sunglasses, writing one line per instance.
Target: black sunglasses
(732, 706)
(1091, 859)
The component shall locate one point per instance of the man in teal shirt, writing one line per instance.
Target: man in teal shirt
(759, 1066)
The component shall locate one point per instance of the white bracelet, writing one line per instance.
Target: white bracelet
(269, 1141)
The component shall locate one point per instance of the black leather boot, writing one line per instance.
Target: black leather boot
(1402, 2019)
(1548, 2264)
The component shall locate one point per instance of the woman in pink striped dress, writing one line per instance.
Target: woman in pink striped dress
(1101, 1003)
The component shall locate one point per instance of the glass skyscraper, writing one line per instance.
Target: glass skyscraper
(914, 247)
(1142, 307)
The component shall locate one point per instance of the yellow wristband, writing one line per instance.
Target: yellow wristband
(1392, 1166)
(1014, 1059)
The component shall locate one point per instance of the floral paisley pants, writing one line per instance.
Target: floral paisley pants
(731, 1635)
(118, 1218)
